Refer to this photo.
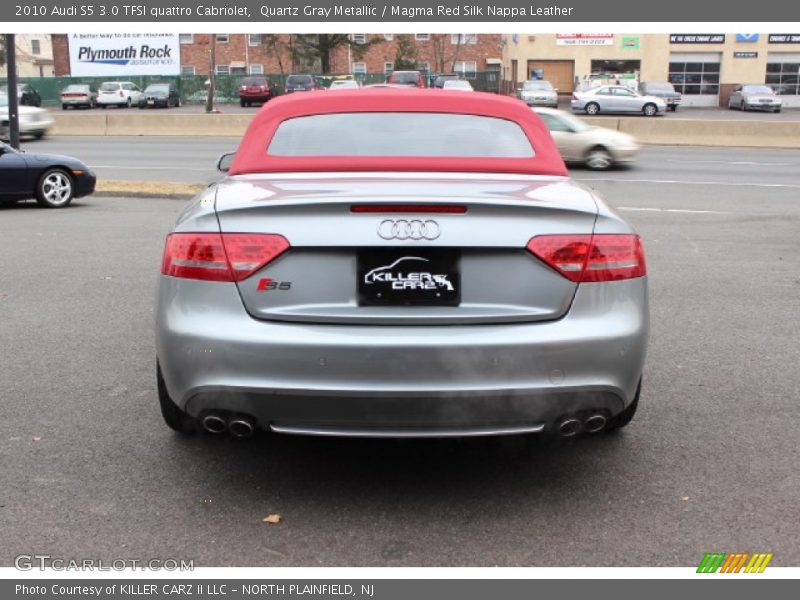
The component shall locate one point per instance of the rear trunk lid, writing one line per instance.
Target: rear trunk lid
(410, 249)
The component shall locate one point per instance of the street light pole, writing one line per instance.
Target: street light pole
(13, 99)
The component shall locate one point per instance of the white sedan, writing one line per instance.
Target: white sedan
(32, 121)
(616, 99)
(596, 147)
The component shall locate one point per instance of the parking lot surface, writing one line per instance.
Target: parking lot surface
(709, 463)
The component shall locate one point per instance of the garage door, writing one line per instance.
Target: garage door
(561, 73)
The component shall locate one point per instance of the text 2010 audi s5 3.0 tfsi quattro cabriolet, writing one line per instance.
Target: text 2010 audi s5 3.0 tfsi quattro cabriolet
(389, 263)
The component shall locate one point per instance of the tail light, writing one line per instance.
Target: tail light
(220, 256)
(243, 88)
(591, 258)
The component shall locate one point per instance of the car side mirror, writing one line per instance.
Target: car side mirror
(224, 162)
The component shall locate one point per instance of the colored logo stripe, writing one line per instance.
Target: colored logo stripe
(733, 563)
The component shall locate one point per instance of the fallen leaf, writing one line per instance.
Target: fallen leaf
(36, 438)
(272, 519)
(684, 498)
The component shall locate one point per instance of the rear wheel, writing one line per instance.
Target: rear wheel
(599, 158)
(241, 103)
(649, 110)
(129, 103)
(55, 189)
(174, 417)
(743, 106)
(63, 107)
(592, 108)
(625, 417)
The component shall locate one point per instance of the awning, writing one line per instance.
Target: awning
(238, 64)
(494, 61)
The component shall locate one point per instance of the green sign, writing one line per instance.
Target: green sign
(630, 42)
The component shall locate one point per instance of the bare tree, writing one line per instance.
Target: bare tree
(441, 43)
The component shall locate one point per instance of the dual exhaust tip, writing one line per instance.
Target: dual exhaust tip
(240, 426)
(573, 425)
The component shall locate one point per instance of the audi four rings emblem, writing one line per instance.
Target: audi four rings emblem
(409, 230)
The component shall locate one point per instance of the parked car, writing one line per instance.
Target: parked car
(164, 94)
(118, 93)
(616, 99)
(252, 89)
(538, 92)
(300, 82)
(407, 78)
(442, 77)
(26, 94)
(33, 122)
(458, 84)
(755, 97)
(344, 84)
(467, 287)
(53, 180)
(661, 89)
(579, 143)
(78, 95)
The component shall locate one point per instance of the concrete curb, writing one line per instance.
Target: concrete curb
(147, 189)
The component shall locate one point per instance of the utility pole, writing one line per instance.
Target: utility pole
(13, 100)
(212, 73)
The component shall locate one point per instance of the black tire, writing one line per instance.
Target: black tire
(777, 110)
(673, 108)
(174, 417)
(743, 107)
(592, 108)
(63, 107)
(55, 189)
(649, 110)
(625, 417)
(241, 103)
(38, 135)
(103, 106)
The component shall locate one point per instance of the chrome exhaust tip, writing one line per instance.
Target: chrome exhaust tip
(595, 423)
(569, 427)
(214, 424)
(241, 428)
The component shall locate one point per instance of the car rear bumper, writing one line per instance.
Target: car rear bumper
(351, 378)
(254, 97)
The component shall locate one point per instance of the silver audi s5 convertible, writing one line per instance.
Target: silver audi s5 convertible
(398, 263)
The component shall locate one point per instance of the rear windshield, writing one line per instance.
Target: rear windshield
(400, 134)
(76, 88)
(158, 87)
(530, 86)
(299, 80)
(407, 77)
(255, 81)
(109, 87)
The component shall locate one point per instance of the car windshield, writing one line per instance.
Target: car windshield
(404, 77)
(109, 87)
(659, 87)
(571, 121)
(530, 86)
(298, 80)
(254, 81)
(76, 88)
(400, 134)
(161, 87)
(757, 89)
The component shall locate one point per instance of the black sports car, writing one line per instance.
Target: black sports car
(53, 180)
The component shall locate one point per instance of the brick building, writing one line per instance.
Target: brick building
(243, 53)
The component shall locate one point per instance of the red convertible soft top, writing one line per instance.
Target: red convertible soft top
(252, 156)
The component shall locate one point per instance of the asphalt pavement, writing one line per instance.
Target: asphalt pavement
(708, 464)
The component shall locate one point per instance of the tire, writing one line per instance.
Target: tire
(63, 107)
(55, 189)
(241, 103)
(39, 135)
(650, 110)
(599, 159)
(174, 417)
(178, 103)
(592, 108)
(743, 107)
(103, 106)
(625, 417)
(129, 103)
(777, 110)
(673, 108)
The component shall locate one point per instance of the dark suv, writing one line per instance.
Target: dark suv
(408, 78)
(300, 82)
(254, 89)
(661, 89)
